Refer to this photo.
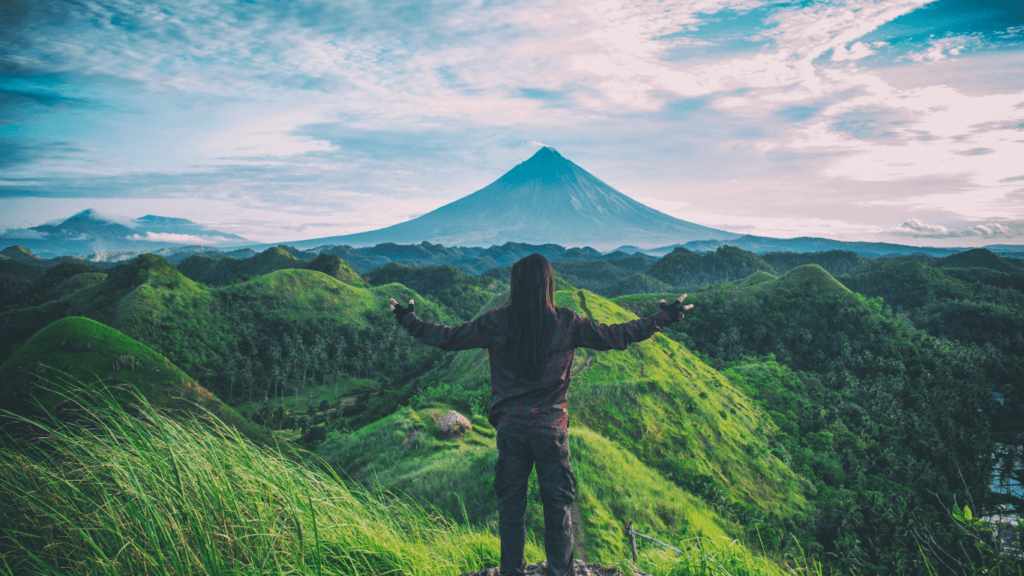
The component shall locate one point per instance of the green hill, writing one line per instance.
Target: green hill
(407, 453)
(683, 268)
(225, 270)
(83, 350)
(264, 337)
(677, 416)
(756, 278)
(20, 253)
(981, 258)
(459, 292)
(863, 403)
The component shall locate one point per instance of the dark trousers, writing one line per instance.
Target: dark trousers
(516, 457)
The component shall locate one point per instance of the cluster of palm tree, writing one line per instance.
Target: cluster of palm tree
(293, 365)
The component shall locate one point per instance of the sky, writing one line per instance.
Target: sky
(869, 120)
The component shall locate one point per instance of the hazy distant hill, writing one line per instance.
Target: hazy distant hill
(91, 232)
(547, 199)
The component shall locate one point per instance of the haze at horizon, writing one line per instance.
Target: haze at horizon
(893, 121)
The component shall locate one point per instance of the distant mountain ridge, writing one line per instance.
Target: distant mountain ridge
(544, 200)
(93, 232)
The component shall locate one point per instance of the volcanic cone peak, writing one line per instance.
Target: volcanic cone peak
(546, 164)
(546, 199)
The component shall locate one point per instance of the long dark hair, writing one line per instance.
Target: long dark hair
(531, 313)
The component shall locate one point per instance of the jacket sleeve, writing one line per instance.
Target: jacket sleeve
(480, 333)
(597, 336)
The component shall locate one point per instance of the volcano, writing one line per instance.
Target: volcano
(546, 199)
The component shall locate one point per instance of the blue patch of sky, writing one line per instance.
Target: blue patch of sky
(874, 124)
(722, 35)
(451, 79)
(727, 32)
(950, 18)
(539, 94)
(798, 113)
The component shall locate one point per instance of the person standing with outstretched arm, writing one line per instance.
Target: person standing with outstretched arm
(531, 345)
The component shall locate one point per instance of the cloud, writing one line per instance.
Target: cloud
(26, 151)
(24, 234)
(181, 238)
(949, 47)
(857, 51)
(915, 227)
(993, 229)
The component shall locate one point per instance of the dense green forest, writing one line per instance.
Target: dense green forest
(820, 406)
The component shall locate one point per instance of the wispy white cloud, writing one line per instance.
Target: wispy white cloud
(24, 234)
(986, 230)
(182, 238)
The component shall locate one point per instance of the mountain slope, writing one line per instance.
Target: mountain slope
(545, 199)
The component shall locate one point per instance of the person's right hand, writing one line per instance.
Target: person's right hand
(675, 309)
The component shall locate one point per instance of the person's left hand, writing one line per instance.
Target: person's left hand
(399, 311)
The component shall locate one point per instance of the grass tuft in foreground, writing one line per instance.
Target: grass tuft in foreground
(102, 489)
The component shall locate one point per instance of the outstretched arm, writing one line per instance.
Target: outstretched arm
(598, 336)
(480, 333)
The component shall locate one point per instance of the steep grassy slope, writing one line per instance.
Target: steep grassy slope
(865, 405)
(80, 349)
(678, 415)
(407, 452)
(137, 492)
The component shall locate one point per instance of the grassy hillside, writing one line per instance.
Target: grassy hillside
(678, 416)
(80, 349)
(407, 452)
(141, 493)
(864, 403)
(683, 268)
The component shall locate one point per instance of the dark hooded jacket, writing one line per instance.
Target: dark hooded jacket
(533, 407)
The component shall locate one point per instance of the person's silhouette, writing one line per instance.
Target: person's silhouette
(531, 345)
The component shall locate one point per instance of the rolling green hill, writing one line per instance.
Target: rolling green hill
(263, 337)
(683, 268)
(865, 404)
(225, 270)
(77, 349)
